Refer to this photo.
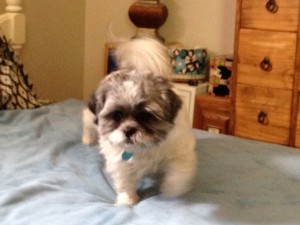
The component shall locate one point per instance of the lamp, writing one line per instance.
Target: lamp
(148, 16)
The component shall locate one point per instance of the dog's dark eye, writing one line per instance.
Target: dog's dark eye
(145, 117)
(117, 116)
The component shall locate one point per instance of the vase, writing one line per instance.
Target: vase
(148, 16)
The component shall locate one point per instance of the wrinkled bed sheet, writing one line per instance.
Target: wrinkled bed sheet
(47, 177)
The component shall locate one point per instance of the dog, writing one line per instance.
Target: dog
(140, 124)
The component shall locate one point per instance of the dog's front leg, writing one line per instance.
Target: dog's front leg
(126, 189)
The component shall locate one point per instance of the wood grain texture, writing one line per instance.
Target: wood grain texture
(255, 15)
(278, 47)
(212, 112)
(250, 101)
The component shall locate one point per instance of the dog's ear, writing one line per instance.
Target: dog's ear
(92, 102)
(92, 106)
(170, 100)
(96, 103)
(174, 103)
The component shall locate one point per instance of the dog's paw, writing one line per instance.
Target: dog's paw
(125, 198)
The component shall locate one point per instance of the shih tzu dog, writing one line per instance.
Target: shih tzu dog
(141, 124)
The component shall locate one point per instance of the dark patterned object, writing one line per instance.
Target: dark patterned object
(189, 61)
(15, 88)
(220, 75)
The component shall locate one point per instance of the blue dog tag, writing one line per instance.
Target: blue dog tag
(127, 155)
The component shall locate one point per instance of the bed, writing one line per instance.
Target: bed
(47, 176)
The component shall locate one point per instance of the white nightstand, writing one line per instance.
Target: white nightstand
(188, 94)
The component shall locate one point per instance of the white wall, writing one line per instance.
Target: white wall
(54, 51)
(2, 6)
(64, 53)
(100, 16)
(205, 23)
(53, 55)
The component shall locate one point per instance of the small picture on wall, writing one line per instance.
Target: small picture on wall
(109, 60)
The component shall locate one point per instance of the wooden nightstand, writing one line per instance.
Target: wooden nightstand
(212, 114)
(188, 94)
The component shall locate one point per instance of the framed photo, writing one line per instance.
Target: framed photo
(109, 60)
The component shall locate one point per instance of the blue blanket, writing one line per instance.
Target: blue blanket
(48, 177)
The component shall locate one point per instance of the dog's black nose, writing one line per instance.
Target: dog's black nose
(129, 131)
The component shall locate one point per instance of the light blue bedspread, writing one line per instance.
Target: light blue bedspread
(47, 177)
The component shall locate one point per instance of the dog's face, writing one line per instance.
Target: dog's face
(134, 111)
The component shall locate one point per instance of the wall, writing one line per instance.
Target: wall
(64, 53)
(206, 23)
(2, 6)
(102, 18)
(54, 51)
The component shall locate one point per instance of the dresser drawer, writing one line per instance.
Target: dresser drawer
(266, 58)
(263, 14)
(263, 113)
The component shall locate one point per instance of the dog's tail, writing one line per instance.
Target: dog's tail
(144, 54)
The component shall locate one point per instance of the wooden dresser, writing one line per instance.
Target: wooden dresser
(266, 71)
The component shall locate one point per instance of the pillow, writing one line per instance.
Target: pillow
(15, 88)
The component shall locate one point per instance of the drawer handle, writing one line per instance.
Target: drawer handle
(266, 64)
(271, 6)
(263, 118)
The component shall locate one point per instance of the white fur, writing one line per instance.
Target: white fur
(174, 156)
(90, 133)
(144, 54)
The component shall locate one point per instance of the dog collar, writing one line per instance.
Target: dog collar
(127, 155)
